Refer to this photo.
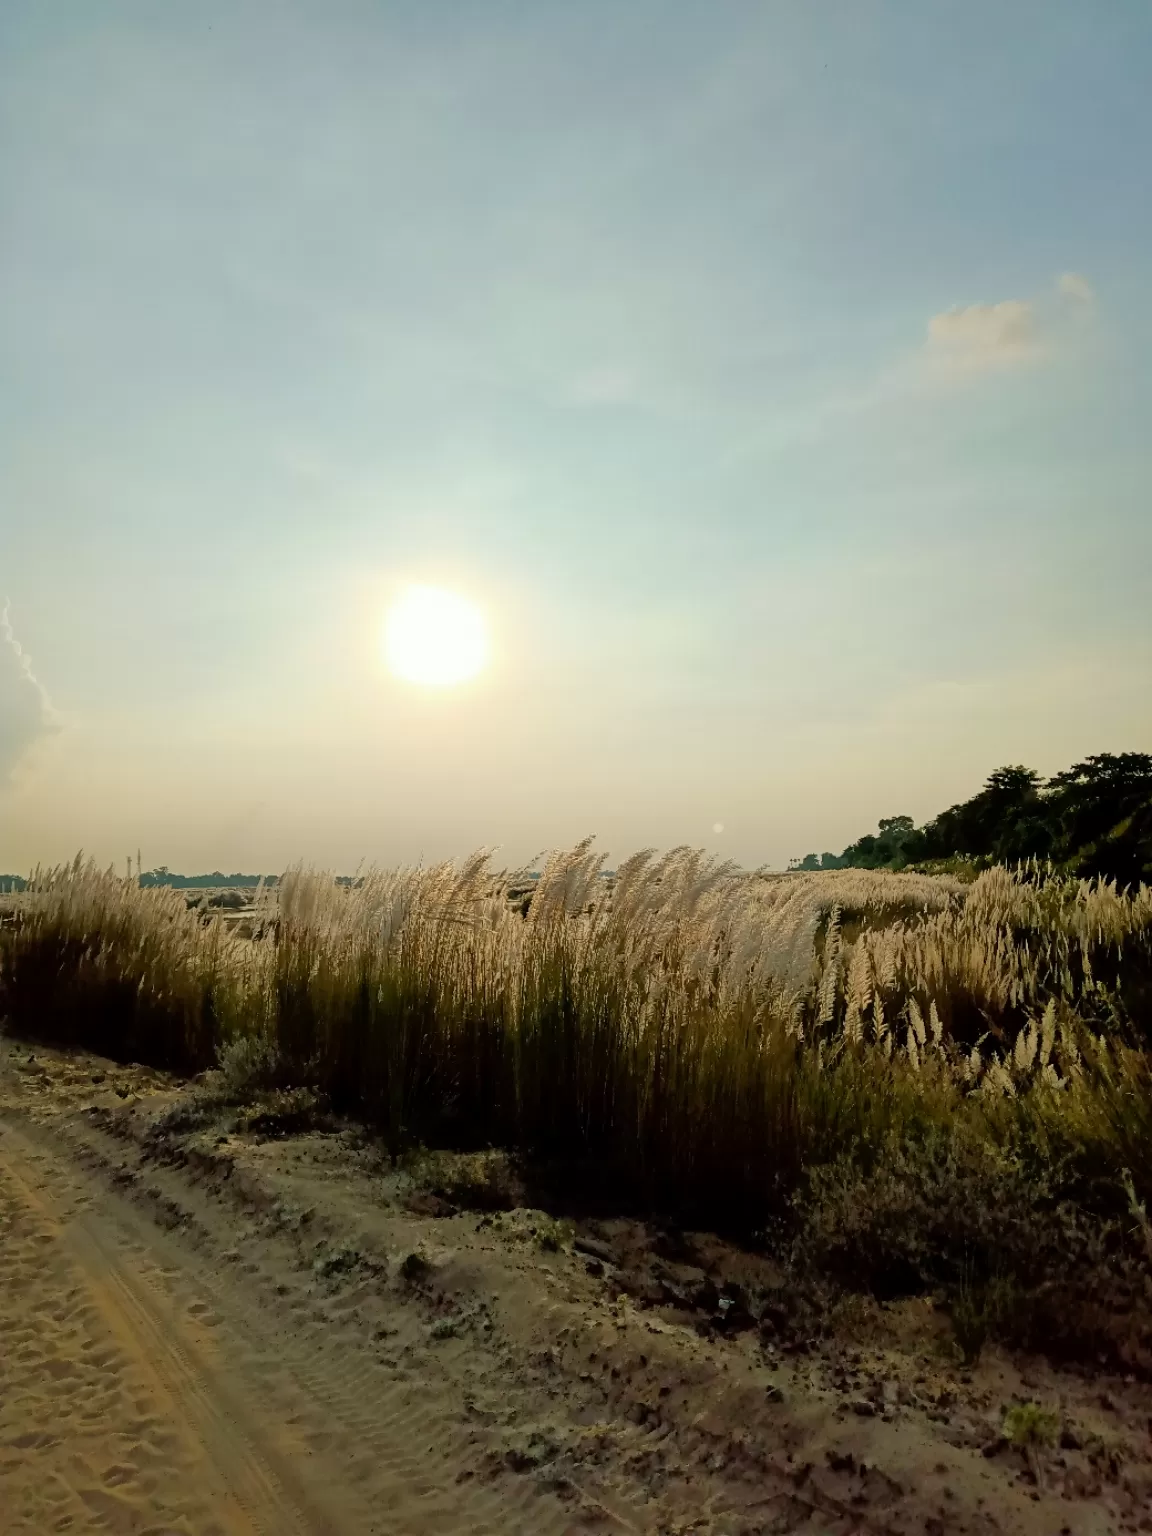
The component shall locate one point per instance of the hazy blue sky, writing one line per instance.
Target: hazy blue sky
(777, 378)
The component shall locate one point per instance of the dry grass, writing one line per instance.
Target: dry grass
(686, 1033)
(88, 958)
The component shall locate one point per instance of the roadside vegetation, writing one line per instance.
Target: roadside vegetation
(899, 1082)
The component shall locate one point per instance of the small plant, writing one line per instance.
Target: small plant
(979, 1308)
(970, 1319)
(1031, 1424)
(1033, 1429)
(283, 1112)
(415, 1267)
(249, 1065)
(553, 1236)
(339, 1261)
(477, 1181)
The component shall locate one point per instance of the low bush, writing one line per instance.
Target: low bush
(1022, 1251)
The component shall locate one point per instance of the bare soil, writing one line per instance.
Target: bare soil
(208, 1325)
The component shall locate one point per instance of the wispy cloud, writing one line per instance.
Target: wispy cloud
(984, 336)
(26, 711)
(1075, 286)
(963, 346)
(980, 338)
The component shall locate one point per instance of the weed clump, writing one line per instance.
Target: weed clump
(1022, 1250)
(415, 1268)
(973, 1314)
(1031, 1424)
(1033, 1429)
(473, 1181)
(249, 1064)
(283, 1112)
(337, 1262)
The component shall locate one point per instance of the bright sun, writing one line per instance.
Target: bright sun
(435, 637)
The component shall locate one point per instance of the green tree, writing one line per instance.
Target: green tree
(887, 850)
(1093, 819)
(1101, 810)
(1007, 821)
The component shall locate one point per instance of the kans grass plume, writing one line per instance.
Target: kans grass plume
(683, 1029)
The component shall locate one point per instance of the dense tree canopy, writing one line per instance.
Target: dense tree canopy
(1093, 819)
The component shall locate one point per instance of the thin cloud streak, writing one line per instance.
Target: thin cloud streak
(26, 711)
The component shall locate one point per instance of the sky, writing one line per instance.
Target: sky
(774, 377)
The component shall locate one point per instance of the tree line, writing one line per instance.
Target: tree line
(1095, 818)
(164, 876)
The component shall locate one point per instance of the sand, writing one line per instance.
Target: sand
(212, 1329)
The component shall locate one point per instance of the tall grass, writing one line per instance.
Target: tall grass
(689, 1032)
(89, 959)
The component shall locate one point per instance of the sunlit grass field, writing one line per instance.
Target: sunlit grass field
(908, 1080)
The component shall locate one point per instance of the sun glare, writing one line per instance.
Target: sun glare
(435, 637)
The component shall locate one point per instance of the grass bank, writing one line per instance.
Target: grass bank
(908, 1081)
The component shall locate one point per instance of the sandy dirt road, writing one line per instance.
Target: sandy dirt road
(215, 1327)
(136, 1398)
(110, 1414)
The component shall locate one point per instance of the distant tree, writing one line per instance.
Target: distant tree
(1093, 819)
(887, 850)
(813, 861)
(1007, 821)
(1101, 810)
(164, 876)
(896, 828)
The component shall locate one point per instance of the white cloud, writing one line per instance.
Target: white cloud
(1075, 286)
(26, 711)
(978, 338)
(983, 336)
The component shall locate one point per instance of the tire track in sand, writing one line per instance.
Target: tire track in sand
(265, 1423)
(111, 1412)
